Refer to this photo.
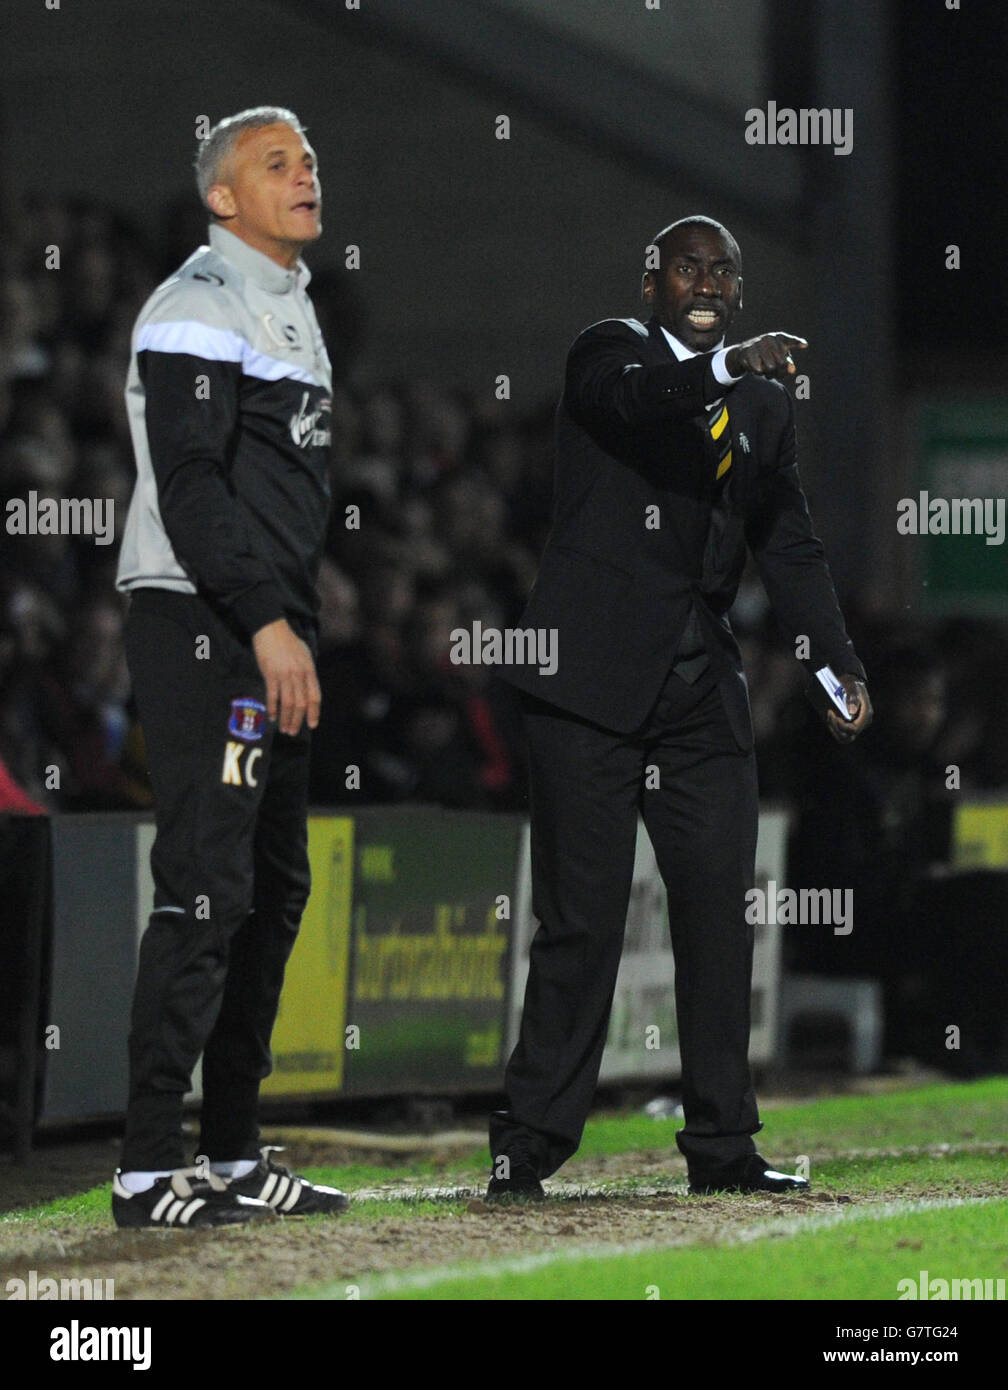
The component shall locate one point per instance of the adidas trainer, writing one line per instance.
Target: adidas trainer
(184, 1199)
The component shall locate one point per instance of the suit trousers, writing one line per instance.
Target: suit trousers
(231, 878)
(587, 786)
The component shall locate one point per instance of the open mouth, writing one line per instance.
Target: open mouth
(306, 205)
(703, 318)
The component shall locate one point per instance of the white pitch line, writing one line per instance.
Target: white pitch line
(786, 1226)
(399, 1192)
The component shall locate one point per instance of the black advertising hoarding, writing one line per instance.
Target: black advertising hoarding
(96, 888)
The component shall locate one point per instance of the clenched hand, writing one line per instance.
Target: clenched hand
(859, 706)
(767, 355)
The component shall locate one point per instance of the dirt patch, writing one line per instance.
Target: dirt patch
(278, 1257)
(589, 1206)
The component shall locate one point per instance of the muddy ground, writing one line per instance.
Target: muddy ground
(279, 1256)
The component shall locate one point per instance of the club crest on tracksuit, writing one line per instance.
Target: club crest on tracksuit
(248, 719)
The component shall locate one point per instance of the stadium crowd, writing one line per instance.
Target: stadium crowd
(441, 505)
(452, 493)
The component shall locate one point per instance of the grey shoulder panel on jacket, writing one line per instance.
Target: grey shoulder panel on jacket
(205, 288)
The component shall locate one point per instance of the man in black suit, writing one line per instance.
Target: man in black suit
(674, 454)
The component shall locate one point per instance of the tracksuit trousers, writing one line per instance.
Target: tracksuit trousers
(231, 879)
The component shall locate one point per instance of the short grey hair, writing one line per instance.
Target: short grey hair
(219, 145)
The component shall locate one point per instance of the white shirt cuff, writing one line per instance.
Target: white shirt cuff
(721, 374)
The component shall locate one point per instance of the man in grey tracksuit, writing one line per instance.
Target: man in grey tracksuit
(229, 402)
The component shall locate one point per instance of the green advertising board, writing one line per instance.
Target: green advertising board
(962, 461)
(430, 944)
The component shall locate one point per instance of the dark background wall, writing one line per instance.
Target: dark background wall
(479, 256)
(482, 256)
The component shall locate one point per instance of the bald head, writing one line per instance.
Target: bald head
(697, 220)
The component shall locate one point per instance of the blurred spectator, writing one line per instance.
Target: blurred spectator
(866, 813)
(83, 709)
(975, 734)
(875, 818)
(32, 630)
(14, 800)
(20, 350)
(356, 666)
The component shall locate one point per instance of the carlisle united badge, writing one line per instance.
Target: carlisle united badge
(248, 719)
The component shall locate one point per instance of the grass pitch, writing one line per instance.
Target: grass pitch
(903, 1183)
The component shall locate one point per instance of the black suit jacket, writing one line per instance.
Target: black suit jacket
(633, 489)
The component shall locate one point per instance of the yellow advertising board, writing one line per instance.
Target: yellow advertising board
(980, 836)
(309, 1036)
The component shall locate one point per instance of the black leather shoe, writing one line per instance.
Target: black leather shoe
(517, 1181)
(751, 1174)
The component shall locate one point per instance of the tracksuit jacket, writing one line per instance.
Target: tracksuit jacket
(229, 403)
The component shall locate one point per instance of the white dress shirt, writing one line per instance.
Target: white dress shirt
(721, 373)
